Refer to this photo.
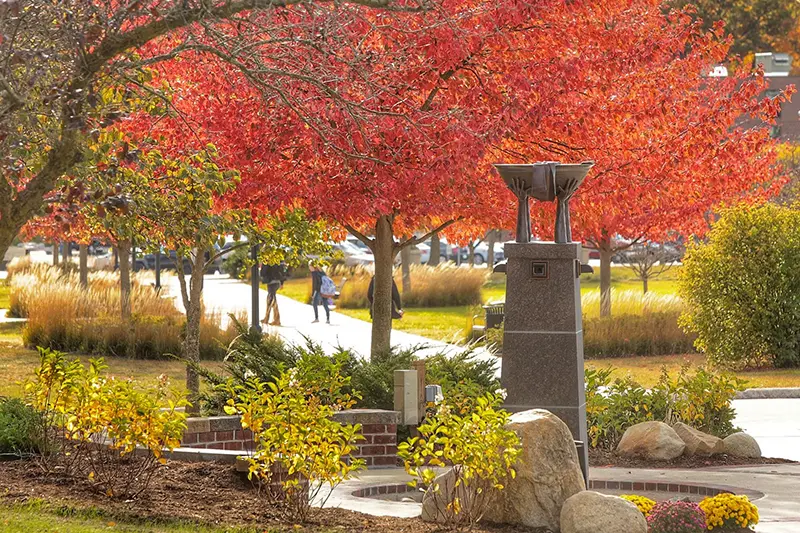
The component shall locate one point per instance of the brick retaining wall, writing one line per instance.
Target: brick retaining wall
(379, 428)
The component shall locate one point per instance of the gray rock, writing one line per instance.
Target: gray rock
(742, 445)
(651, 440)
(592, 512)
(697, 442)
(547, 473)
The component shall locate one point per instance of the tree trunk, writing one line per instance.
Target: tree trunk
(65, 255)
(605, 278)
(644, 284)
(384, 251)
(471, 258)
(83, 264)
(55, 253)
(435, 256)
(123, 251)
(491, 238)
(405, 260)
(191, 342)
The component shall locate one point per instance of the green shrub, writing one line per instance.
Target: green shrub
(264, 357)
(480, 446)
(81, 407)
(741, 288)
(236, 263)
(375, 379)
(19, 427)
(701, 399)
(292, 429)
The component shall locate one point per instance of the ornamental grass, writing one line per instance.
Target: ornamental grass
(440, 286)
(63, 315)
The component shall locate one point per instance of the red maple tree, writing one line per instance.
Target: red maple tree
(388, 123)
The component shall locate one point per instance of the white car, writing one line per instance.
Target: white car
(353, 255)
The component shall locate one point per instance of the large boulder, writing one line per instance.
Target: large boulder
(697, 442)
(742, 445)
(592, 512)
(548, 473)
(651, 440)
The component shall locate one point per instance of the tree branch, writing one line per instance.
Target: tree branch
(361, 237)
(182, 16)
(413, 241)
(223, 252)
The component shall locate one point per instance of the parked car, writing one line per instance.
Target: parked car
(481, 253)
(168, 261)
(355, 241)
(668, 252)
(353, 255)
(445, 251)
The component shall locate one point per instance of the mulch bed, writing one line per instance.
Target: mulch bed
(601, 458)
(209, 493)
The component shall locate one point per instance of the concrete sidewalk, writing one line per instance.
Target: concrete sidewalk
(775, 423)
(779, 508)
(230, 296)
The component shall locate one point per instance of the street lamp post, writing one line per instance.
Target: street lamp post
(255, 281)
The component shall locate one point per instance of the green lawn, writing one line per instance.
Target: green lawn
(5, 293)
(39, 517)
(439, 323)
(452, 323)
(18, 362)
(647, 370)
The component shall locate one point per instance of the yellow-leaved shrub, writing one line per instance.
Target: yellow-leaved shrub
(102, 428)
(472, 437)
(301, 454)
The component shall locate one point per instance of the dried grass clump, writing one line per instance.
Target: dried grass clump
(440, 286)
(63, 315)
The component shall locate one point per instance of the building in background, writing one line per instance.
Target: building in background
(777, 69)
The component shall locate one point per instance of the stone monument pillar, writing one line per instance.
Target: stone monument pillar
(542, 365)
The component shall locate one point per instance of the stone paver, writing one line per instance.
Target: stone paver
(779, 508)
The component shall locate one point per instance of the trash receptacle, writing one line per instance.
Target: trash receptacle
(495, 313)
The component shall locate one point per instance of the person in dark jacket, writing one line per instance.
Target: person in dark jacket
(316, 295)
(273, 276)
(397, 305)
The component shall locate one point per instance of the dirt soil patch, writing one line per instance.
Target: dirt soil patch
(601, 458)
(208, 493)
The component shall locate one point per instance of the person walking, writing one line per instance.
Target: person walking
(397, 304)
(318, 277)
(273, 276)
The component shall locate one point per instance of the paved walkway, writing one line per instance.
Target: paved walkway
(225, 295)
(779, 508)
(775, 424)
